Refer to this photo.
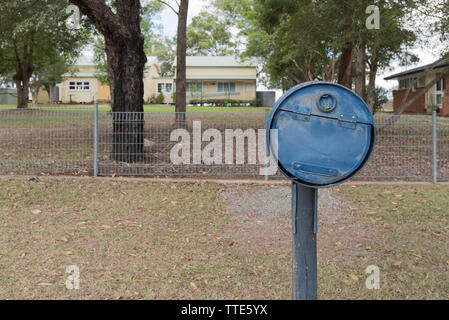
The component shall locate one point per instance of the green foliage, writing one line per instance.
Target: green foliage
(223, 102)
(209, 35)
(381, 99)
(302, 40)
(100, 60)
(152, 99)
(160, 98)
(164, 49)
(156, 99)
(36, 41)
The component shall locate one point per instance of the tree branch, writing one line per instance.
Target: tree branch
(101, 15)
(168, 5)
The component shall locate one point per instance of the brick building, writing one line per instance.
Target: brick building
(414, 80)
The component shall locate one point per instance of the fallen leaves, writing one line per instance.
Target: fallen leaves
(193, 285)
(353, 277)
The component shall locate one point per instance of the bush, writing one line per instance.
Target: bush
(152, 99)
(223, 102)
(160, 98)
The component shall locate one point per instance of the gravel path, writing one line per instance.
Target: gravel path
(261, 216)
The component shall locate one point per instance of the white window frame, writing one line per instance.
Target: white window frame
(162, 87)
(226, 87)
(199, 86)
(75, 85)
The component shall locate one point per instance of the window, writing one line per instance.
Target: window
(164, 87)
(441, 85)
(439, 92)
(249, 87)
(79, 85)
(415, 82)
(226, 87)
(194, 86)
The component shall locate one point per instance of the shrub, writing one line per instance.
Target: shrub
(160, 98)
(152, 99)
(223, 102)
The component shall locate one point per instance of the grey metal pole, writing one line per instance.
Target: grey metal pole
(434, 146)
(267, 153)
(96, 139)
(304, 224)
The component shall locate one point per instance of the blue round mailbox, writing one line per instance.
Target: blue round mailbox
(325, 134)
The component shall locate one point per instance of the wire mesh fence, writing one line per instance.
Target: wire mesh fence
(198, 144)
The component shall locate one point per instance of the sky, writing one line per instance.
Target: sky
(169, 19)
(426, 54)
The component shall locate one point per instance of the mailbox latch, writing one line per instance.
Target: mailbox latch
(302, 113)
(348, 120)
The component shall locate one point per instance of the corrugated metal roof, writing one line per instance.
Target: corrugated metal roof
(221, 77)
(79, 75)
(441, 63)
(88, 60)
(219, 61)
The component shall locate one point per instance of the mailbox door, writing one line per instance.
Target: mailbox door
(327, 151)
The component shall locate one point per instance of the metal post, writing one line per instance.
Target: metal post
(304, 224)
(96, 139)
(267, 152)
(434, 146)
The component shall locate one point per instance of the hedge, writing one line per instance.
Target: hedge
(223, 102)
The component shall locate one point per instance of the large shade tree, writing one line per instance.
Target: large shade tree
(33, 34)
(208, 34)
(303, 40)
(124, 45)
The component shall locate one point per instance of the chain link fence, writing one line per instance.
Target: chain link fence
(80, 141)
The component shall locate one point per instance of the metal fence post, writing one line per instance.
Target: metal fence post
(304, 224)
(96, 139)
(434, 146)
(267, 152)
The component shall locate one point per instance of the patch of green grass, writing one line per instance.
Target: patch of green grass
(147, 108)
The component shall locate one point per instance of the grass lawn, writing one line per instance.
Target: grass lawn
(147, 108)
(143, 240)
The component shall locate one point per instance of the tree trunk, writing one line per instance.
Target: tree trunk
(181, 62)
(360, 68)
(126, 78)
(35, 93)
(126, 61)
(345, 68)
(22, 94)
(51, 93)
(371, 91)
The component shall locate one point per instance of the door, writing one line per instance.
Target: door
(249, 92)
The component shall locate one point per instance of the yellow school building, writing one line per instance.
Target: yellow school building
(208, 77)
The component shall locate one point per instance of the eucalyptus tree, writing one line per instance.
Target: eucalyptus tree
(208, 34)
(32, 32)
(180, 8)
(304, 40)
